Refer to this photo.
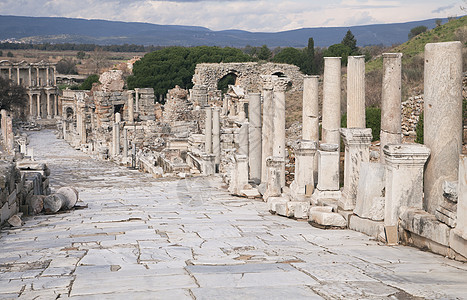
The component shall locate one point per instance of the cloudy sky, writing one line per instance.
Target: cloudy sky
(251, 15)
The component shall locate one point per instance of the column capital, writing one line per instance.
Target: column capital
(267, 82)
(280, 84)
(275, 161)
(305, 148)
(406, 154)
(392, 55)
(356, 136)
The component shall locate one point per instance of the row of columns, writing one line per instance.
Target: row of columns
(37, 82)
(51, 105)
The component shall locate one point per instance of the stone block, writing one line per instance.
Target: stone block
(371, 191)
(320, 209)
(328, 219)
(12, 198)
(282, 209)
(300, 209)
(425, 225)
(366, 226)
(458, 243)
(273, 201)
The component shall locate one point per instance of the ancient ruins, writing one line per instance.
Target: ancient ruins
(411, 194)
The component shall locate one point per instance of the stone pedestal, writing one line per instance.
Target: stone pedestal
(328, 173)
(216, 136)
(458, 238)
(331, 100)
(208, 131)
(208, 166)
(268, 127)
(404, 178)
(304, 165)
(274, 185)
(243, 140)
(255, 144)
(356, 92)
(371, 191)
(442, 118)
(239, 178)
(357, 150)
(391, 101)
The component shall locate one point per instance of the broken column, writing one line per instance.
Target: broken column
(254, 118)
(442, 118)
(404, 179)
(331, 100)
(239, 178)
(268, 121)
(391, 101)
(125, 142)
(357, 150)
(216, 135)
(278, 144)
(356, 92)
(208, 132)
(310, 116)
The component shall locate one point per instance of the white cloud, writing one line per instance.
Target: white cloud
(252, 15)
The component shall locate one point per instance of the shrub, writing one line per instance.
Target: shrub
(419, 130)
(372, 120)
(10, 54)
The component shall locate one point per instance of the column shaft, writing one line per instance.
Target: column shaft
(267, 128)
(331, 100)
(255, 143)
(208, 132)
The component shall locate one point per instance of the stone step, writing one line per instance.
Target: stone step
(327, 219)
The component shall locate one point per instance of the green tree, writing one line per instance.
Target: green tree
(87, 84)
(12, 95)
(308, 65)
(289, 55)
(66, 66)
(417, 30)
(264, 53)
(81, 55)
(9, 54)
(1, 53)
(165, 68)
(338, 50)
(350, 41)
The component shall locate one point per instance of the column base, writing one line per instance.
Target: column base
(346, 202)
(319, 195)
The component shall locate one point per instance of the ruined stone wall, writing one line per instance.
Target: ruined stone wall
(248, 74)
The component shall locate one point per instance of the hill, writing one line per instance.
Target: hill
(69, 30)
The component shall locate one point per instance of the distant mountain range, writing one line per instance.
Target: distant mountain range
(68, 30)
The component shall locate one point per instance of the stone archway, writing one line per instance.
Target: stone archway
(228, 79)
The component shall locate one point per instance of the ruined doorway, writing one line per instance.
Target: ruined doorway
(118, 108)
(69, 113)
(224, 82)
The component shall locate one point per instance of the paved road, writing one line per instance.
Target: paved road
(143, 238)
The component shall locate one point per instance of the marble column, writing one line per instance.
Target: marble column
(47, 81)
(310, 117)
(55, 104)
(274, 184)
(357, 150)
(404, 178)
(10, 138)
(9, 73)
(38, 106)
(31, 105)
(125, 142)
(268, 121)
(49, 106)
(255, 143)
(278, 148)
(225, 104)
(17, 76)
(216, 136)
(442, 118)
(131, 108)
(391, 101)
(356, 92)
(37, 77)
(54, 75)
(208, 131)
(243, 148)
(116, 141)
(304, 164)
(331, 100)
(30, 76)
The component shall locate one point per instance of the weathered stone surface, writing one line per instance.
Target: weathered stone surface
(327, 219)
(371, 191)
(356, 92)
(36, 204)
(54, 203)
(15, 221)
(112, 81)
(331, 100)
(367, 226)
(442, 119)
(71, 196)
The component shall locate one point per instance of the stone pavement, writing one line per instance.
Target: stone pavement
(145, 238)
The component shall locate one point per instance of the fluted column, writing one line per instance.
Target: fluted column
(268, 121)
(356, 92)
(391, 101)
(442, 118)
(331, 100)
(254, 118)
(208, 131)
(49, 106)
